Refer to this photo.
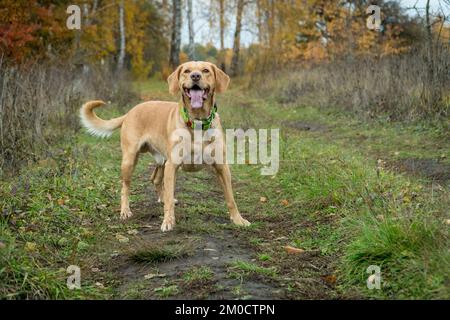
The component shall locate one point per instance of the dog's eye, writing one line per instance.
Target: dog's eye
(205, 70)
(187, 71)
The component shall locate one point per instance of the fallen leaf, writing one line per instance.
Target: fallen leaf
(330, 279)
(154, 275)
(121, 238)
(2, 245)
(447, 222)
(280, 238)
(30, 246)
(133, 232)
(284, 202)
(293, 250)
(99, 284)
(61, 201)
(95, 269)
(263, 199)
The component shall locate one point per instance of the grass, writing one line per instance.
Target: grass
(239, 269)
(198, 275)
(61, 208)
(167, 291)
(264, 257)
(331, 195)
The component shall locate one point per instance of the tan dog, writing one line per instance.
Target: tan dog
(148, 127)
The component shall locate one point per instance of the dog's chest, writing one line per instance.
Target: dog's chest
(199, 149)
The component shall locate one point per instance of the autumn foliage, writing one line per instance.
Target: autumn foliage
(286, 32)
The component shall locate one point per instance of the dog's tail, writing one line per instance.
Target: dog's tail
(96, 126)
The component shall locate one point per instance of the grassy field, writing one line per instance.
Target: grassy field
(350, 194)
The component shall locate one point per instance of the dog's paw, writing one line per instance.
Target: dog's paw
(167, 225)
(238, 220)
(125, 214)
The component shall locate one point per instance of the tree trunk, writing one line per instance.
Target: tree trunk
(191, 52)
(270, 17)
(237, 39)
(175, 43)
(259, 21)
(428, 27)
(121, 58)
(222, 33)
(222, 23)
(432, 94)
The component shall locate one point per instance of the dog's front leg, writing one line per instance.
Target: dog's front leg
(224, 175)
(169, 202)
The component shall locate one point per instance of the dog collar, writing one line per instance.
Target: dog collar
(206, 123)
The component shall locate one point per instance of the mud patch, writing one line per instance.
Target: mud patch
(428, 168)
(215, 252)
(304, 126)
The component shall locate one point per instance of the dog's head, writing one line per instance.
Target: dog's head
(198, 81)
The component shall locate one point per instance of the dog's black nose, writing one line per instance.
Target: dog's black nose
(196, 76)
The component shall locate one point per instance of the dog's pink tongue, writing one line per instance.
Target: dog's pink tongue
(196, 98)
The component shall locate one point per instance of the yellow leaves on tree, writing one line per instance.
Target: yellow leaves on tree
(135, 20)
(317, 30)
(99, 38)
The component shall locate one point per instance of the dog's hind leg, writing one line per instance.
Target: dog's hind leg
(157, 180)
(129, 160)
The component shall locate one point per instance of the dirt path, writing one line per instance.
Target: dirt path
(215, 249)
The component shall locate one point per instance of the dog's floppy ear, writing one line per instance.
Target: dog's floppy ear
(222, 80)
(172, 80)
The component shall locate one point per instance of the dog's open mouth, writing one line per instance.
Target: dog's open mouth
(196, 95)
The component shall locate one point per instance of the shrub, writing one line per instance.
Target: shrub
(39, 107)
(404, 87)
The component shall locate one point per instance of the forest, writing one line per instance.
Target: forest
(360, 90)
